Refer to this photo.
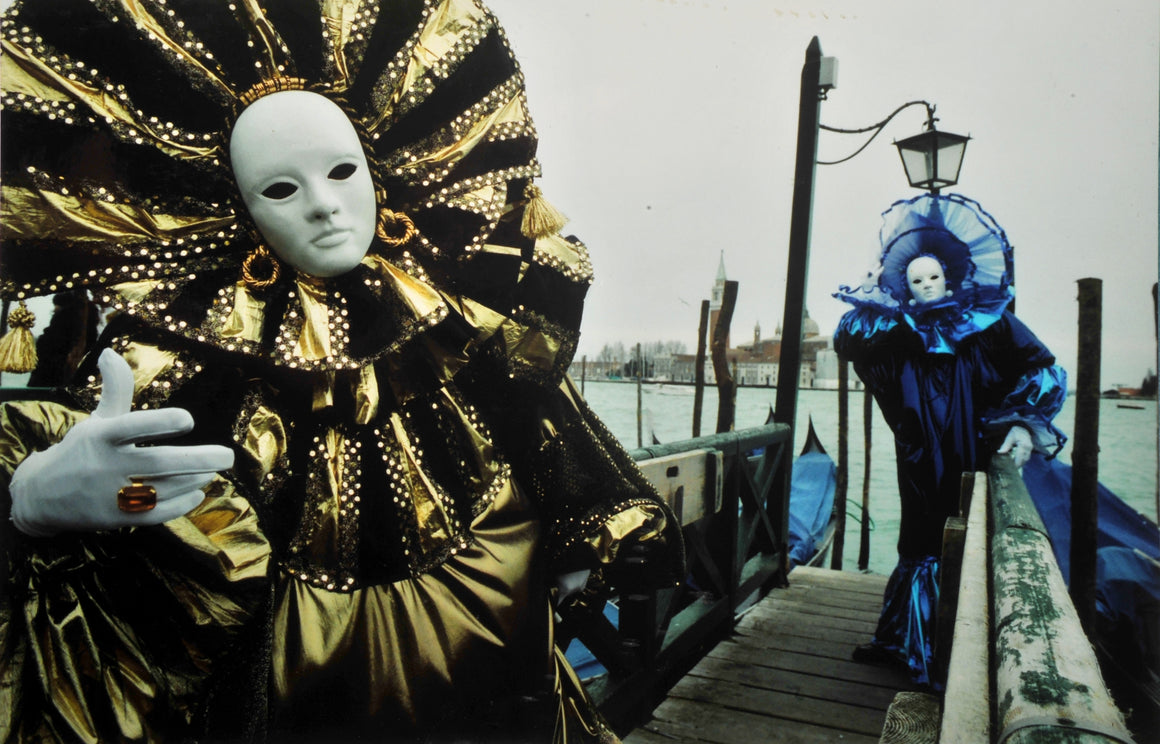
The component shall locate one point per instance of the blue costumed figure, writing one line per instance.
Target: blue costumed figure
(957, 377)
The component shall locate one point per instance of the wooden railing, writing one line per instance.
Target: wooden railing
(729, 491)
(1021, 669)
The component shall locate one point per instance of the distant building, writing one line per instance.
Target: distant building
(595, 368)
(754, 363)
(826, 374)
(716, 298)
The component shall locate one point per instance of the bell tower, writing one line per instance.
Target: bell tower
(715, 299)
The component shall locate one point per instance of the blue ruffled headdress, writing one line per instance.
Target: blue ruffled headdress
(974, 251)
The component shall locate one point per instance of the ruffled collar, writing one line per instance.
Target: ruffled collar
(301, 323)
(943, 325)
(974, 252)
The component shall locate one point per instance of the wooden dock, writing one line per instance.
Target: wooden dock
(785, 674)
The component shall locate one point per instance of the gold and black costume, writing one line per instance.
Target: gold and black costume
(412, 463)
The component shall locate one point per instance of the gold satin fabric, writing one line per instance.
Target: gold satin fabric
(314, 341)
(245, 319)
(32, 213)
(24, 73)
(450, 23)
(156, 31)
(265, 441)
(89, 613)
(510, 112)
(530, 346)
(411, 652)
(149, 365)
(339, 16)
(644, 522)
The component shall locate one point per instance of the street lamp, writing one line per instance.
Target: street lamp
(933, 158)
(932, 161)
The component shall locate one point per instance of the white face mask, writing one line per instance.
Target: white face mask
(304, 178)
(926, 280)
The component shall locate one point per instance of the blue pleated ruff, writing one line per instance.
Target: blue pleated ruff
(973, 249)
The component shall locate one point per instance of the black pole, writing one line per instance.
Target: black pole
(789, 360)
(1085, 455)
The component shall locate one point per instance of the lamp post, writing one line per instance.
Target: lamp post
(813, 89)
(932, 161)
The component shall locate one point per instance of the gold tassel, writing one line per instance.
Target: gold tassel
(541, 219)
(18, 348)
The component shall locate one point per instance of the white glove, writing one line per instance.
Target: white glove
(73, 484)
(569, 583)
(1018, 445)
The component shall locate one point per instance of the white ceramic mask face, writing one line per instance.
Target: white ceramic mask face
(926, 280)
(304, 178)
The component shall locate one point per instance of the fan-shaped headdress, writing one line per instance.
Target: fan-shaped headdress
(117, 118)
(973, 250)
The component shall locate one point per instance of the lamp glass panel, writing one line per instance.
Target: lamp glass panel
(950, 159)
(933, 158)
(919, 165)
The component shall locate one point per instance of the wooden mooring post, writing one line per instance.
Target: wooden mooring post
(864, 532)
(725, 383)
(699, 370)
(1085, 454)
(639, 396)
(837, 550)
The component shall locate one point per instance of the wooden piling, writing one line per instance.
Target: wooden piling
(699, 370)
(639, 401)
(583, 372)
(867, 425)
(838, 549)
(1085, 454)
(725, 383)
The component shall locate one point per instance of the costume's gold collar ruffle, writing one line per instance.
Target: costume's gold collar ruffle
(318, 322)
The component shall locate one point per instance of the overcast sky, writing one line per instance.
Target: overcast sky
(668, 129)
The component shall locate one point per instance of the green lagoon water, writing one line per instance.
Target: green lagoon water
(1128, 449)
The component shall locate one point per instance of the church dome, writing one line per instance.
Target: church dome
(809, 326)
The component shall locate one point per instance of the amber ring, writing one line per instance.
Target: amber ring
(137, 497)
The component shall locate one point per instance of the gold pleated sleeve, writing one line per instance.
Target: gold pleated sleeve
(112, 636)
(599, 509)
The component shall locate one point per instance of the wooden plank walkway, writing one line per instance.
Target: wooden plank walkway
(785, 675)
